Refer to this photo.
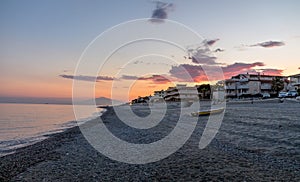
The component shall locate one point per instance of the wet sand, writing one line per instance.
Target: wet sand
(256, 142)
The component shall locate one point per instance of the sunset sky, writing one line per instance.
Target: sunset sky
(42, 41)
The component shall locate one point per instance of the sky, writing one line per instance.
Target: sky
(41, 43)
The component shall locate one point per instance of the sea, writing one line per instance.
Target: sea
(25, 124)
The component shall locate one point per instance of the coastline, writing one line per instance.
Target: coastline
(68, 156)
(23, 158)
(25, 124)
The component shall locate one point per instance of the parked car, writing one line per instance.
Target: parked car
(298, 98)
(265, 95)
(282, 94)
(292, 94)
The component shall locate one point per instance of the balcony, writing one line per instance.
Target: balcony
(230, 94)
(243, 87)
(230, 87)
(268, 79)
(243, 93)
(266, 87)
(244, 80)
(296, 83)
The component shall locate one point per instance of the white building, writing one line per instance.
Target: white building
(250, 85)
(160, 94)
(294, 82)
(181, 92)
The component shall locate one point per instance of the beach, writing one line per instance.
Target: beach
(256, 142)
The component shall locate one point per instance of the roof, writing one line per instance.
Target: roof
(297, 75)
(259, 75)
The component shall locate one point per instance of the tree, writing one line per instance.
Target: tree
(205, 89)
(220, 85)
(277, 85)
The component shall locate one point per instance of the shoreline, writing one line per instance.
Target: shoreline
(68, 156)
(24, 157)
(23, 136)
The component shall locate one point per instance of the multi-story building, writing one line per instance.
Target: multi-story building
(294, 82)
(160, 94)
(244, 85)
(181, 92)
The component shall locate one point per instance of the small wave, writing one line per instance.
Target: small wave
(9, 146)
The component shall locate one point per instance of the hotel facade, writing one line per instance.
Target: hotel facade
(244, 85)
(294, 82)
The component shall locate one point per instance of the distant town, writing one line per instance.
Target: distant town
(237, 87)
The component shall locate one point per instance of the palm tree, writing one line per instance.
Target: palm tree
(277, 85)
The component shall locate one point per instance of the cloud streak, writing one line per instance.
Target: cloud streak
(269, 44)
(157, 79)
(271, 71)
(87, 78)
(237, 68)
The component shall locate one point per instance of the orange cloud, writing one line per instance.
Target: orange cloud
(186, 72)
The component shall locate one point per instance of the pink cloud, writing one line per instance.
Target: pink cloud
(197, 74)
(188, 73)
(271, 71)
(238, 68)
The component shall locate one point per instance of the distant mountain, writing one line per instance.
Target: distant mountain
(107, 101)
(101, 101)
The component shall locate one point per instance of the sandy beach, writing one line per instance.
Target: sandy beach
(256, 142)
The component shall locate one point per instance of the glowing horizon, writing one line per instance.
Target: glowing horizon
(41, 43)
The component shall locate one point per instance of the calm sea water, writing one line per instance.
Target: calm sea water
(25, 124)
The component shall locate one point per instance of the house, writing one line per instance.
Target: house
(160, 94)
(181, 92)
(141, 100)
(249, 85)
(294, 82)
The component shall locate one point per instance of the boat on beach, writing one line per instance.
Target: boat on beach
(208, 112)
